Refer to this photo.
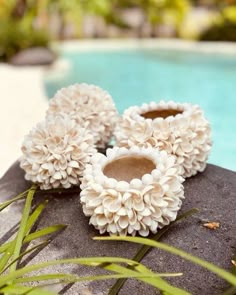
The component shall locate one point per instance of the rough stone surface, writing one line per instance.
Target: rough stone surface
(33, 56)
(213, 192)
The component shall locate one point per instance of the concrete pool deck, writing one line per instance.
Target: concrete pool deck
(24, 102)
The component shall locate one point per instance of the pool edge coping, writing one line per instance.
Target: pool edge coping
(227, 48)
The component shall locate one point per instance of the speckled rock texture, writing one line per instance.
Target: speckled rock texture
(213, 192)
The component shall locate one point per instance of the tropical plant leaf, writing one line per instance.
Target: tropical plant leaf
(40, 245)
(36, 235)
(34, 216)
(230, 278)
(43, 232)
(22, 290)
(158, 283)
(40, 291)
(144, 249)
(6, 256)
(23, 227)
(8, 203)
(4, 247)
(89, 261)
(73, 278)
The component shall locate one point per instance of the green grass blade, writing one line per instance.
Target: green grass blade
(158, 282)
(37, 291)
(40, 245)
(230, 278)
(89, 261)
(35, 235)
(6, 256)
(144, 249)
(15, 289)
(34, 216)
(13, 248)
(22, 290)
(43, 232)
(4, 247)
(73, 278)
(8, 203)
(22, 230)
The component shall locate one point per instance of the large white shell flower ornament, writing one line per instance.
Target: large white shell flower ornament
(131, 191)
(55, 153)
(179, 129)
(90, 105)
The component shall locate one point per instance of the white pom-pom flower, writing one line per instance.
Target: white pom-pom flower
(131, 191)
(55, 153)
(180, 129)
(90, 105)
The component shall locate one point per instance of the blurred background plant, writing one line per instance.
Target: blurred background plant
(33, 23)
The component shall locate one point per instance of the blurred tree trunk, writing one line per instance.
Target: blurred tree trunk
(19, 9)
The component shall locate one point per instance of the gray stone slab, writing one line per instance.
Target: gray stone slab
(33, 57)
(213, 192)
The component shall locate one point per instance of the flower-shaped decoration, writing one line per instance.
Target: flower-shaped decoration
(131, 191)
(88, 105)
(180, 129)
(55, 153)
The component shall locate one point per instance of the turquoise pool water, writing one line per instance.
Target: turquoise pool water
(137, 76)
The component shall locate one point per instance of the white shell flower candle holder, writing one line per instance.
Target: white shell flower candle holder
(55, 153)
(131, 191)
(89, 105)
(180, 129)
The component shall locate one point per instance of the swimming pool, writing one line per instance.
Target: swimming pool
(138, 75)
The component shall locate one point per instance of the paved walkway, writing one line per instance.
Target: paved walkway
(22, 104)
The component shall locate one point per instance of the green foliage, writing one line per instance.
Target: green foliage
(224, 28)
(145, 248)
(12, 276)
(229, 277)
(15, 36)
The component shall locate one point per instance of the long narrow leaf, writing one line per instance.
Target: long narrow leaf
(158, 283)
(43, 232)
(40, 245)
(22, 290)
(15, 289)
(23, 224)
(6, 256)
(8, 203)
(144, 249)
(73, 278)
(4, 247)
(35, 235)
(31, 221)
(34, 216)
(211, 267)
(89, 261)
(37, 291)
